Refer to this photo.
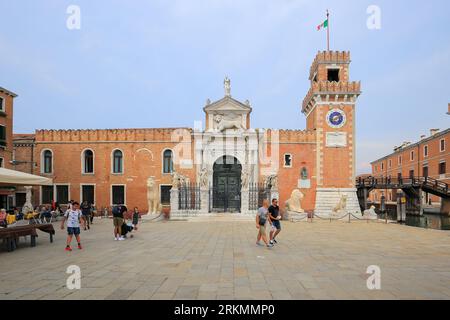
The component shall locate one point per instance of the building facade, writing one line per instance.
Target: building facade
(6, 141)
(428, 157)
(226, 157)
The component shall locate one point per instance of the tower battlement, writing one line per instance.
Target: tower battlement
(329, 57)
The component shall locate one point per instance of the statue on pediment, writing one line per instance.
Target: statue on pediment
(227, 87)
(223, 123)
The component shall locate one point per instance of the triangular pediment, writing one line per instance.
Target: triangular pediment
(227, 104)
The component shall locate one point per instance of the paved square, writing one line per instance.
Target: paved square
(219, 260)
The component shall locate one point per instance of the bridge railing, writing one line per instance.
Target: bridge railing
(379, 182)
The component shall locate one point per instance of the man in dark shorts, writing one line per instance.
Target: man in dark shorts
(275, 218)
(117, 212)
(86, 214)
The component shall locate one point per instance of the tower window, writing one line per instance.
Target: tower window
(333, 75)
(287, 160)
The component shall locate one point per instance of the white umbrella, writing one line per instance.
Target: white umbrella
(13, 177)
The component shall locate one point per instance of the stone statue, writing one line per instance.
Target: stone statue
(245, 178)
(152, 196)
(223, 124)
(370, 213)
(294, 203)
(342, 205)
(227, 87)
(28, 206)
(204, 178)
(272, 182)
(178, 179)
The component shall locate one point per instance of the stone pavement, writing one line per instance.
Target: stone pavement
(219, 260)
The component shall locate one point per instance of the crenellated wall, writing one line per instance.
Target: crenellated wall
(159, 134)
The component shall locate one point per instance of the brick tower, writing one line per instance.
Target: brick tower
(329, 108)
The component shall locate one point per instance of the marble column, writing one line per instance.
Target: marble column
(204, 201)
(174, 194)
(244, 202)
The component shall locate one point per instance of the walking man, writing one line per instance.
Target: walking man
(261, 219)
(86, 214)
(275, 218)
(73, 218)
(118, 221)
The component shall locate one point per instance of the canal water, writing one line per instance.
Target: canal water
(430, 221)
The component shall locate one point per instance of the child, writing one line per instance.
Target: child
(73, 217)
(135, 218)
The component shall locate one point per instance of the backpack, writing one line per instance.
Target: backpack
(116, 211)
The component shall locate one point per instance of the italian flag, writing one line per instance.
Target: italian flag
(322, 25)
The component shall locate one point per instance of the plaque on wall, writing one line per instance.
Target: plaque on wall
(304, 183)
(186, 164)
(336, 139)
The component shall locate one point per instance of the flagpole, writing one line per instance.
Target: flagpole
(328, 31)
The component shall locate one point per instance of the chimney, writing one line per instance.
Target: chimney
(448, 109)
(434, 131)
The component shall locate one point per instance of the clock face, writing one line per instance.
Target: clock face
(336, 118)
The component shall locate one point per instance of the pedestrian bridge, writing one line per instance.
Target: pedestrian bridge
(412, 187)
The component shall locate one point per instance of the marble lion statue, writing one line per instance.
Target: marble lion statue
(342, 205)
(294, 203)
(370, 213)
(223, 124)
(152, 196)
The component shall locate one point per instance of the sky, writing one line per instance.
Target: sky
(154, 63)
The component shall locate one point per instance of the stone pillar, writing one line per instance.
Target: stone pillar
(244, 201)
(28, 206)
(204, 201)
(174, 194)
(445, 207)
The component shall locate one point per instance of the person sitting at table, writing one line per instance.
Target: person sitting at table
(11, 218)
(45, 213)
(30, 215)
(3, 218)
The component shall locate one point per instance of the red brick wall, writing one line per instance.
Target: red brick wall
(6, 119)
(142, 159)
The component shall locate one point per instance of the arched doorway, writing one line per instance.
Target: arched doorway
(226, 191)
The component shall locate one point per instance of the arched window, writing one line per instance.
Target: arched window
(168, 161)
(88, 161)
(47, 160)
(117, 161)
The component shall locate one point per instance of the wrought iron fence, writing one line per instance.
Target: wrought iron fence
(257, 193)
(189, 196)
